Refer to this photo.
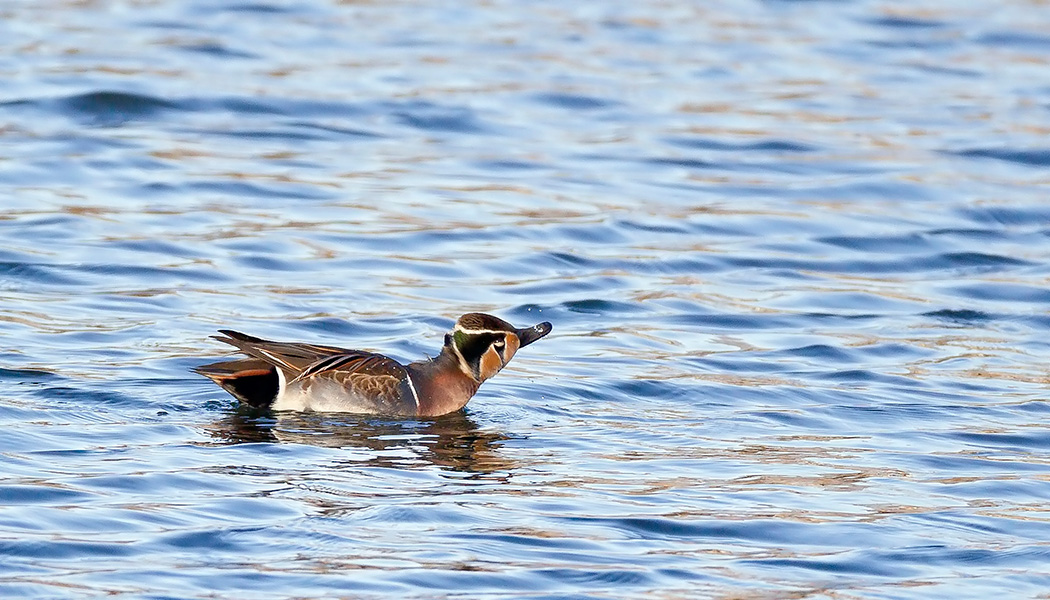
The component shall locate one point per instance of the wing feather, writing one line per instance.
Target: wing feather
(363, 374)
(289, 356)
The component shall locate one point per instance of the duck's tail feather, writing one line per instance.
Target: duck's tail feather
(251, 380)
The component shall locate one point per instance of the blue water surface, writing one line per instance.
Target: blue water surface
(796, 255)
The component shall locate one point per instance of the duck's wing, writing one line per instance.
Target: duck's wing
(290, 357)
(381, 382)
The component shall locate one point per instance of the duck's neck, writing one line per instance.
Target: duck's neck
(441, 384)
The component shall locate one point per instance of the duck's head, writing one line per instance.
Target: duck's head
(485, 344)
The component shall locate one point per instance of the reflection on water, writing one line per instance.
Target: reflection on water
(454, 442)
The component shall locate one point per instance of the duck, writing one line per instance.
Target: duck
(294, 376)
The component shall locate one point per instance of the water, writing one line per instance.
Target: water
(796, 255)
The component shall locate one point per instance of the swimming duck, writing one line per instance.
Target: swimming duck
(308, 377)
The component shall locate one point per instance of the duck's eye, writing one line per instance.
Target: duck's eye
(499, 344)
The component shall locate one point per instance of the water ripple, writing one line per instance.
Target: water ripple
(795, 255)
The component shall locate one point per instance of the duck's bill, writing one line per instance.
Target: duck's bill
(531, 334)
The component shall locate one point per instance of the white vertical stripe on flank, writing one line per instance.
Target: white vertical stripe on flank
(412, 387)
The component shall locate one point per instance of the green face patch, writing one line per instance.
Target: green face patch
(472, 345)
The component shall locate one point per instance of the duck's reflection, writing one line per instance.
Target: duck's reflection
(453, 441)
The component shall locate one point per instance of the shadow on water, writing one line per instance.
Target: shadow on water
(453, 442)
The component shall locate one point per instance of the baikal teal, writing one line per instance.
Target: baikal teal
(796, 256)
